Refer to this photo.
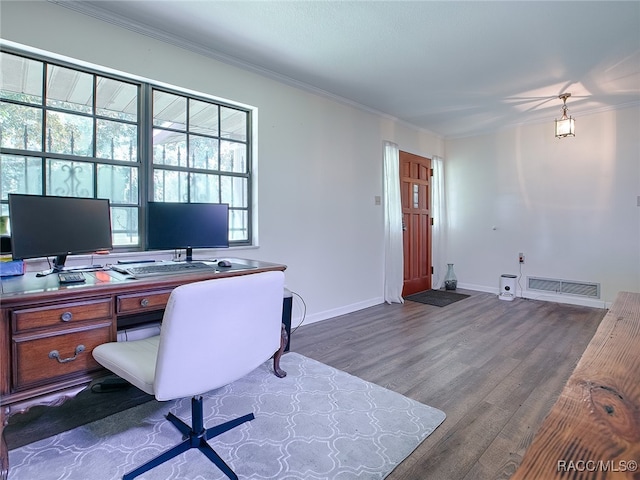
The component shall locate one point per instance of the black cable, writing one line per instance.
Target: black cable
(519, 285)
(304, 312)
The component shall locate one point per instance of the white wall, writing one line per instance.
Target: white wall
(319, 161)
(570, 205)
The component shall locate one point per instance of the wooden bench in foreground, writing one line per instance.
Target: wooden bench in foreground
(593, 430)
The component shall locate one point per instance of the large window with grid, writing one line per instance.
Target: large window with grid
(200, 155)
(71, 131)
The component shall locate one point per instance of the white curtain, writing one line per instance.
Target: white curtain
(393, 248)
(438, 209)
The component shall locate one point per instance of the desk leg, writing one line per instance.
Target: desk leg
(4, 453)
(284, 338)
(6, 411)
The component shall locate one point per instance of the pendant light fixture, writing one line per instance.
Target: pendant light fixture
(566, 126)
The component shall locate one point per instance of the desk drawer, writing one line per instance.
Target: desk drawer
(143, 302)
(45, 358)
(61, 314)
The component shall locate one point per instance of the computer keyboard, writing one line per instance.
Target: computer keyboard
(156, 269)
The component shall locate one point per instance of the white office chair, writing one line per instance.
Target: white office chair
(213, 333)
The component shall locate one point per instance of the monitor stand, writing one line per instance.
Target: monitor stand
(58, 266)
(189, 255)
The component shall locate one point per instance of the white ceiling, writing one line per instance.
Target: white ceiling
(455, 68)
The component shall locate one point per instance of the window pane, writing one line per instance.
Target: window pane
(170, 186)
(203, 152)
(117, 141)
(238, 225)
(233, 157)
(169, 148)
(233, 124)
(20, 78)
(203, 118)
(116, 99)
(20, 175)
(169, 111)
(20, 127)
(69, 179)
(118, 183)
(205, 188)
(124, 226)
(70, 134)
(234, 191)
(69, 89)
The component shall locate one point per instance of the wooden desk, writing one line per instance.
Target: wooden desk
(593, 430)
(48, 331)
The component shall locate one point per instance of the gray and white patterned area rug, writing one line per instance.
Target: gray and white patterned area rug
(316, 423)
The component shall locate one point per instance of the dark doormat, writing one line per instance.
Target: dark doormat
(439, 298)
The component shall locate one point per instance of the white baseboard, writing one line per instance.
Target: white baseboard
(545, 297)
(336, 312)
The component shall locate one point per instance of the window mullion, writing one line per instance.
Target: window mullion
(145, 152)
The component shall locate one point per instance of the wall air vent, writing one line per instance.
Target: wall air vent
(583, 289)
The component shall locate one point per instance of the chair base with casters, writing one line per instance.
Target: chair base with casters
(196, 437)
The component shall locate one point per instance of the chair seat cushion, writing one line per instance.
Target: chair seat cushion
(134, 361)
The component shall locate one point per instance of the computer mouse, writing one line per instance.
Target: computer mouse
(224, 263)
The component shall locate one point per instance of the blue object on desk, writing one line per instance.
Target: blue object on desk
(11, 268)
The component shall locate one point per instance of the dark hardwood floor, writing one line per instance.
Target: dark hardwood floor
(494, 367)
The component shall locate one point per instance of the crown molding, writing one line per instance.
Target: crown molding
(119, 21)
(123, 22)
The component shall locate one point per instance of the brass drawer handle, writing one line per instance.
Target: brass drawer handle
(66, 316)
(144, 302)
(54, 354)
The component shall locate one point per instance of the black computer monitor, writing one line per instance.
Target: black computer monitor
(44, 226)
(187, 225)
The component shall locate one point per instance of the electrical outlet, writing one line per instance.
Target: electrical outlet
(521, 257)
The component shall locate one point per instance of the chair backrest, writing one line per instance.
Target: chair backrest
(216, 331)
